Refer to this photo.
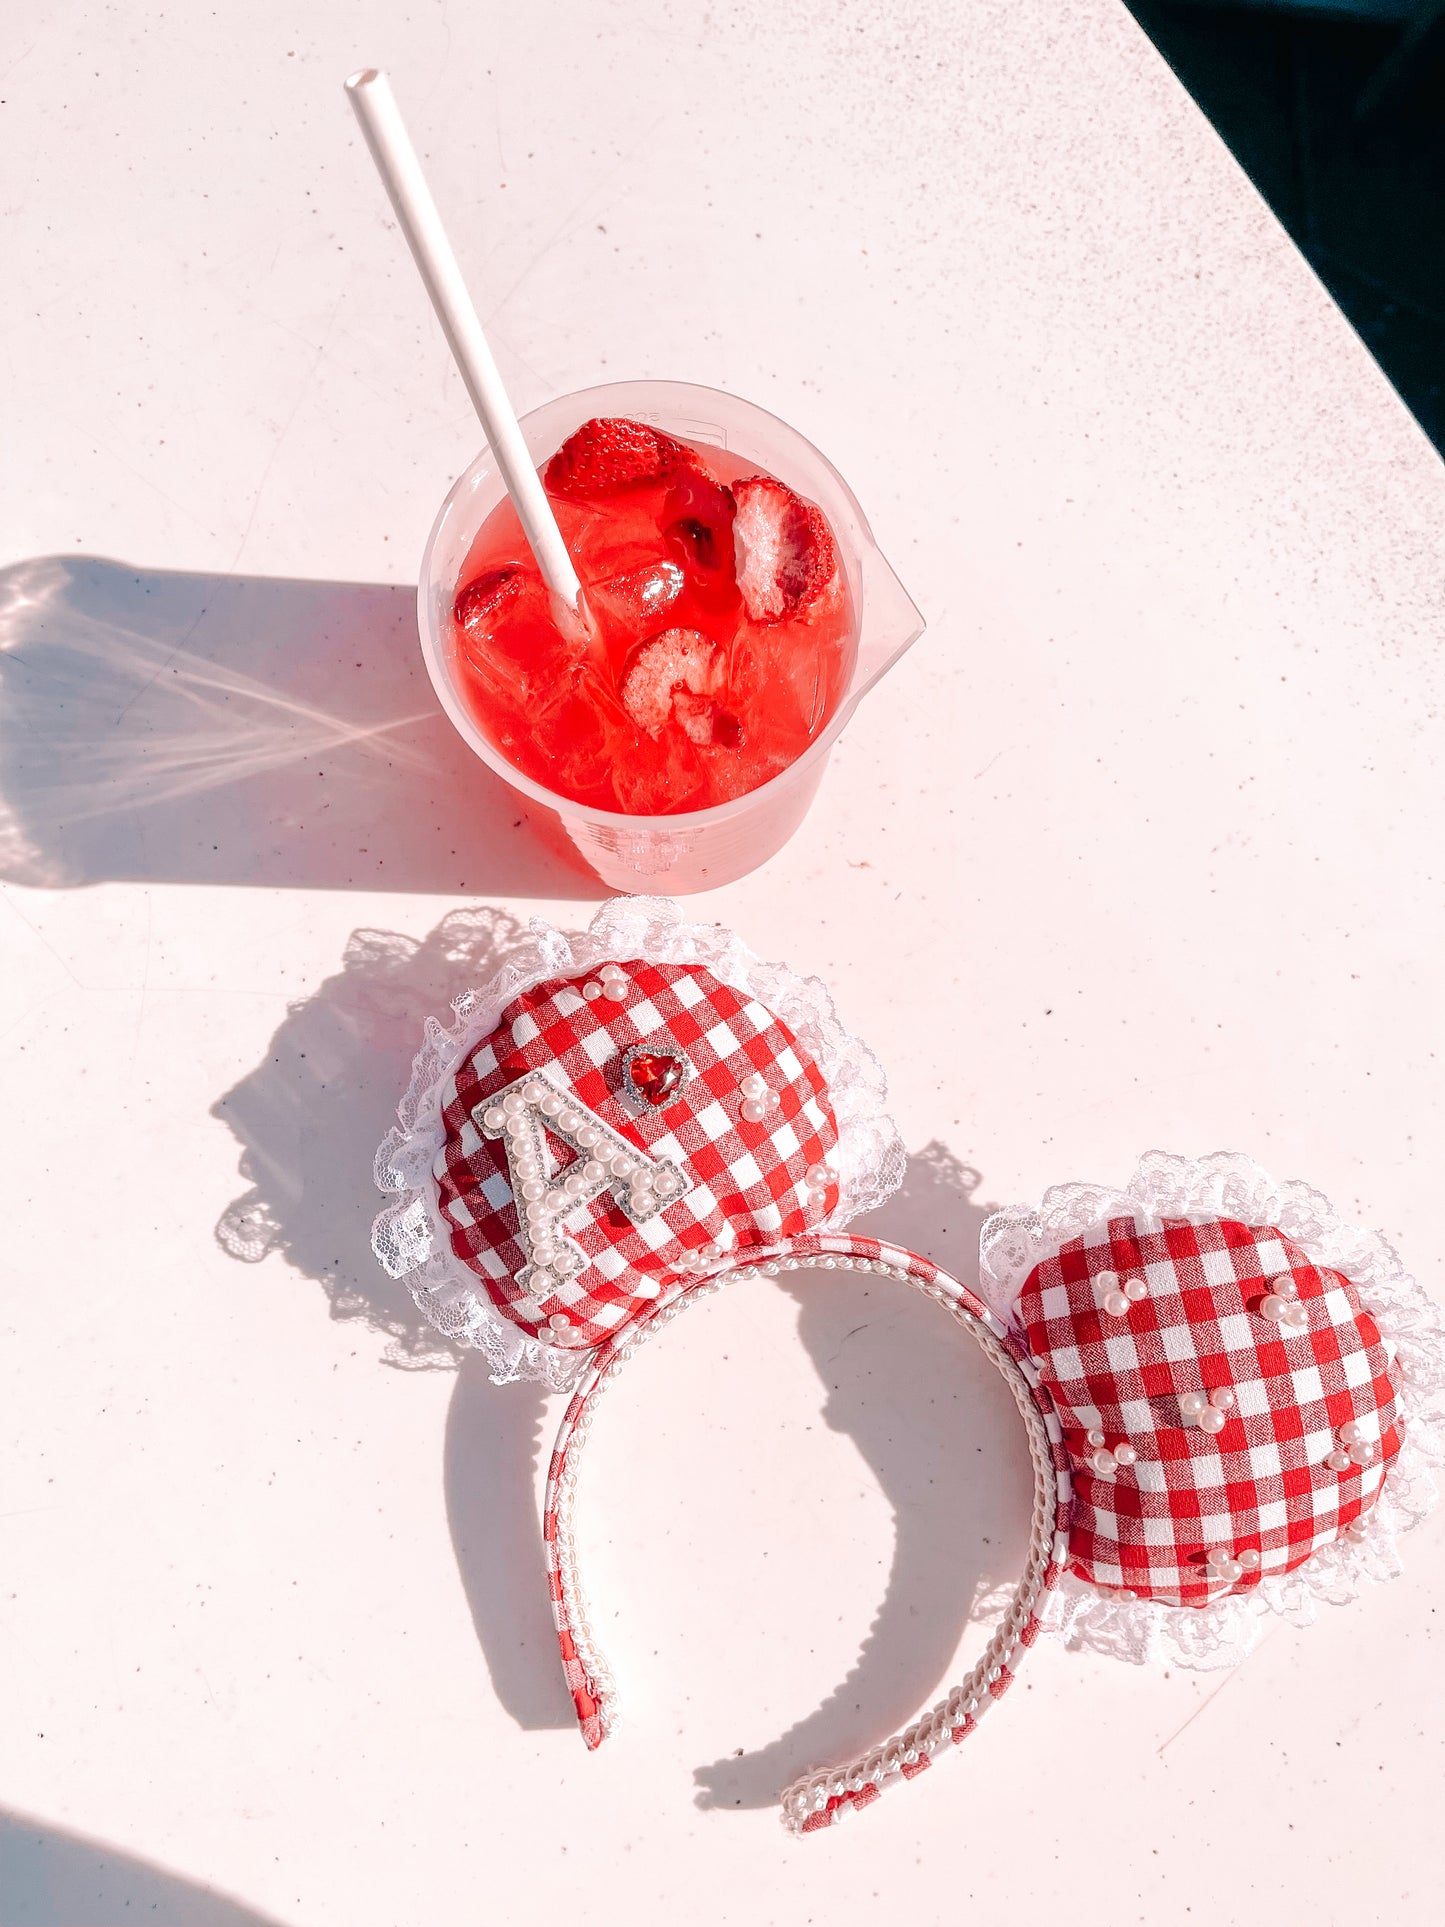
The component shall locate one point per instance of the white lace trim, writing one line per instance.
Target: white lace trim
(1412, 1325)
(409, 1236)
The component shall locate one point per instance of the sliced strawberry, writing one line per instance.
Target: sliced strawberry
(610, 453)
(677, 677)
(697, 517)
(481, 602)
(784, 549)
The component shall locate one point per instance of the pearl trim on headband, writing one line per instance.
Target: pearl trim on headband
(819, 1799)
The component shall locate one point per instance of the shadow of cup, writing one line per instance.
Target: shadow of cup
(168, 728)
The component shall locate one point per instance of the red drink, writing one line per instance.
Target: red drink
(722, 632)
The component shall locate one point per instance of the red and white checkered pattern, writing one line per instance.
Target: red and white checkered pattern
(1260, 1483)
(748, 1179)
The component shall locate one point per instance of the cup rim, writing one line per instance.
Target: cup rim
(678, 820)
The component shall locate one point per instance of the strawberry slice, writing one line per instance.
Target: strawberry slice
(480, 603)
(784, 549)
(677, 677)
(610, 453)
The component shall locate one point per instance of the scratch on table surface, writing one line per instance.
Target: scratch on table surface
(41, 937)
(286, 426)
(1203, 1704)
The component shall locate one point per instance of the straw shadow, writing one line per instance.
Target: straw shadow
(308, 1120)
(167, 728)
(52, 1878)
(932, 1420)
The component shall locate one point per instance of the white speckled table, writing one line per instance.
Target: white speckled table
(1141, 845)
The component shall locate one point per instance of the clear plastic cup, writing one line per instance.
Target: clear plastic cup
(695, 849)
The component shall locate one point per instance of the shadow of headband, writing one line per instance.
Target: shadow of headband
(1231, 1398)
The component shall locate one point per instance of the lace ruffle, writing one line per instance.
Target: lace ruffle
(1230, 1185)
(409, 1237)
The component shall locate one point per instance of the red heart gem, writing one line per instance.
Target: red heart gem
(655, 1077)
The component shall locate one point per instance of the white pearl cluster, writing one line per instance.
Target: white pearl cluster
(818, 1178)
(1209, 1411)
(613, 985)
(1117, 1294)
(702, 1257)
(759, 1098)
(1231, 1566)
(1105, 1462)
(1353, 1447)
(1282, 1304)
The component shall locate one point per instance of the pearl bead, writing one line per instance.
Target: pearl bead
(1135, 1289)
(534, 1092)
(1285, 1286)
(1222, 1398)
(1095, 1437)
(534, 1189)
(514, 1102)
(1127, 1592)
(594, 1171)
(1350, 1431)
(569, 1261)
(665, 1183)
(753, 1109)
(1273, 1307)
(622, 1165)
(494, 1118)
(1211, 1419)
(1219, 1555)
(1249, 1559)
(592, 992)
(542, 1281)
(536, 1212)
(567, 1120)
(517, 1127)
(550, 1105)
(1125, 1454)
(615, 990)
(1103, 1463)
(755, 1086)
(556, 1201)
(1296, 1317)
(609, 972)
(818, 1176)
(1338, 1461)
(1230, 1571)
(543, 1253)
(1106, 1281)
(1191, 1404)
(574, 1184)
(560, 1322)
(1356, 1530)
(526, 1167)
(1115, 1303)
(588, 1136)
(1361, 1452)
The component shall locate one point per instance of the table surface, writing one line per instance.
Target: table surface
(1138, 847)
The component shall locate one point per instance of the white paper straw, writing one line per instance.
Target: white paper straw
(400, 170)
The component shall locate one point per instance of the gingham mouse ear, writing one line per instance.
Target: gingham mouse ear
(1251, 1393)
(620, 1111)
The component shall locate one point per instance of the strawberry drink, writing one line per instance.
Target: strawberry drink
(721, 633)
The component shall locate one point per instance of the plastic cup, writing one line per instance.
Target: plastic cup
(695, 849)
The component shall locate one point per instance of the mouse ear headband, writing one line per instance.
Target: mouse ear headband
(1230, 1397)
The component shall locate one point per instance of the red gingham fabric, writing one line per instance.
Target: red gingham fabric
(748, 1179)
(1261, 1482)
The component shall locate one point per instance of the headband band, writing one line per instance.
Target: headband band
(821, 1798)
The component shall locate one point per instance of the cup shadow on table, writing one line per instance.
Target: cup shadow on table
(159, 727)
(54, 1878)
(926, 1412)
